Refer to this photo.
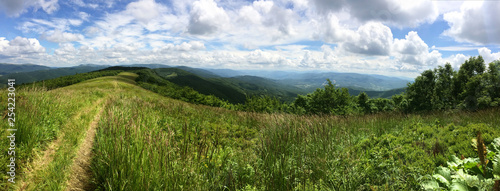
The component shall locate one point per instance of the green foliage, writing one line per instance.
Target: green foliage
(146, 141)
(467, 173)
(264, 104)
(329, 100)
(363, 102)
(471, 87)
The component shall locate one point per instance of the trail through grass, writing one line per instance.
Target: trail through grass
(144, 141)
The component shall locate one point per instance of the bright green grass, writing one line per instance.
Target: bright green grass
(44, 116)
(148, 142)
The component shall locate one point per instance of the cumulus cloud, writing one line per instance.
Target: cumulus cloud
(414, 51)
(487, 55)
(456, 60)
(14, 8)
(20, 46)
(206, 18)
(412, 44)
(393, 12)
(371, 39)
(476, 22)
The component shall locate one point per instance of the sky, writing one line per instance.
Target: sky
(388, 37)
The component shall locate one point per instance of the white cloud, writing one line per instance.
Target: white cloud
(414, 51)
(145, 10)
(14, 8)
(60, 37)
(411, 45)
(477, 22)
(487, 55)
(83, 15)
(19, 47)
(238, 34)
(207, 18)
(392, 12)
(65, 49)
(455, 60)
(42, 26)
(371, 39)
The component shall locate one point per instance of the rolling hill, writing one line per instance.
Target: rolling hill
(107, 133)
(45, 74)
(18, 68)
(202, 85)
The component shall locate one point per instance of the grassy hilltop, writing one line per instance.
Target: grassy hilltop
(108, 133)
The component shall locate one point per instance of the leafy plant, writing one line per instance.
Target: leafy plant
(468, 173)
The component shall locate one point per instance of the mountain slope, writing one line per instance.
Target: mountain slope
(144, 141)
(28, 77)
(17, 68)
(207, 87)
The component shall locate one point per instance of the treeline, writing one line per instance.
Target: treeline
(474, 86)
(69, 80)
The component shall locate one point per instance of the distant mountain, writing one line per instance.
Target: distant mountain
(286, 87)
(311, 80)
(263, 86)
(200, 72)
(364, 82)
(202, 85)
(17, 68)
(234, 89)
(378, 94)
(226, 72)
(33, 76)
(152, 66)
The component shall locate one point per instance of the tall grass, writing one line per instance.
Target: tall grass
(150, 142)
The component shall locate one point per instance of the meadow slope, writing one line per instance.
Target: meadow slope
(144, 141)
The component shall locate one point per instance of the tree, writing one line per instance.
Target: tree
(420, 93)
(443, 98)
(493, 85)
(330, 100)
(472, 67)
(363, 102)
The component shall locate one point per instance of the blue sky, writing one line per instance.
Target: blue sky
(389, 37)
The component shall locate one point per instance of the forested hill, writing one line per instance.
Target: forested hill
(17, 68)
(48, 73)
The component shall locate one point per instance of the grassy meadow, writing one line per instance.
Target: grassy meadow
(145, 141)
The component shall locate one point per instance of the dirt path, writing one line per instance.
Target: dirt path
(81, 173)
(42, 160)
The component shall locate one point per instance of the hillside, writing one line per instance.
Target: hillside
(207, 87)
(45, 74)
(174, 144)
(18, 68)
(158, 143)
(234, 89)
